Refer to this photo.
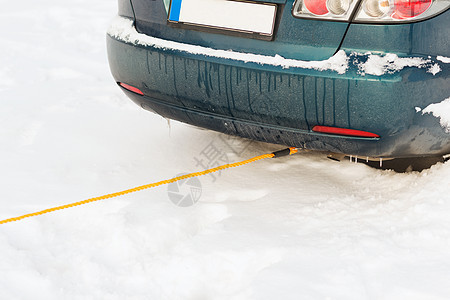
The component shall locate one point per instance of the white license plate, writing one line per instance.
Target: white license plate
(247, 17)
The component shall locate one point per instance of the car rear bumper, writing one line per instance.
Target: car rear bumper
(277, 100)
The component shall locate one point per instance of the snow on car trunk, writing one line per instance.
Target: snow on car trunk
(296, 227)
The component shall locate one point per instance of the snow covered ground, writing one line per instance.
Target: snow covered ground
(302, 227)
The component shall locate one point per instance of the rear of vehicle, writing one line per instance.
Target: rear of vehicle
(353, 77)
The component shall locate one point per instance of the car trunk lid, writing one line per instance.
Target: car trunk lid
(292, 38)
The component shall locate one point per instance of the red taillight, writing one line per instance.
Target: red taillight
(404, 9)
(317, 7)
(344, 131)
(324, 9)
(131, 88)
(371, 11)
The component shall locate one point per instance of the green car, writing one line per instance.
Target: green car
(367, 78)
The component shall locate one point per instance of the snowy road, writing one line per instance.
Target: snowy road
(302, 227)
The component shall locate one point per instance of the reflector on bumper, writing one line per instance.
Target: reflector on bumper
(131, 88)
(344, 131)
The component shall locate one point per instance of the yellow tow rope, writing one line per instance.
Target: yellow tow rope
(284, 152)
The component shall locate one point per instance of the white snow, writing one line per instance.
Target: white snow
(434, 69)
(442, 111)
(123, 29)
(302, 227)
(390, 63)
(443, 59)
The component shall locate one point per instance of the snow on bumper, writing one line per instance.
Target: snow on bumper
(122, 29)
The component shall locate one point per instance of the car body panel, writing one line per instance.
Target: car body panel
(294, 38)
(430, 37)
